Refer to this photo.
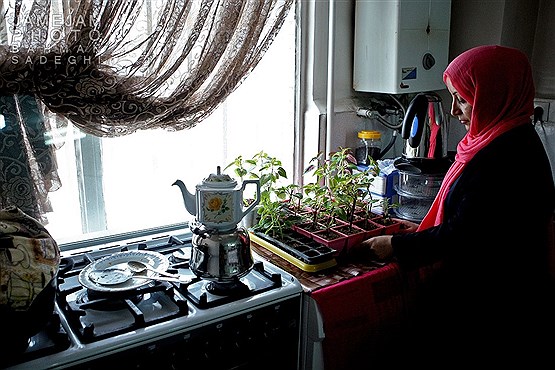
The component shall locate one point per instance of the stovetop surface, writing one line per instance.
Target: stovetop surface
(85, 322)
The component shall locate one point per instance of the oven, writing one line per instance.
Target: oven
(168, 324)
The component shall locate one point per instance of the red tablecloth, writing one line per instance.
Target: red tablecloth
(362, 316)
(363, 305)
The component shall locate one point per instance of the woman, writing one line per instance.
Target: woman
(489, 225)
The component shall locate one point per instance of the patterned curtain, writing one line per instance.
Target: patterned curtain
(27, 162)
(113, 68)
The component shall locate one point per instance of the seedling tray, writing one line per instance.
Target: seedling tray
(302, 251)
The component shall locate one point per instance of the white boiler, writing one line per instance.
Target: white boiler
(400, 46)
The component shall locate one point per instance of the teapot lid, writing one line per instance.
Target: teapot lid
(220, 179)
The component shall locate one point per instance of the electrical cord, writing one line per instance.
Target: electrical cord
(388, 146)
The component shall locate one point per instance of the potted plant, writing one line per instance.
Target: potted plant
(385, 219)
(292, 195)
(280, 208)
(352, 190)
(268, 170)
(322, 208)
(274, 220)
(334, 210)
(338, 192)
(275, 229)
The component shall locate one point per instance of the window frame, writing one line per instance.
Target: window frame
(93, 217)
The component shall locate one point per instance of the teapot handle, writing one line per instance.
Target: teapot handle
(414, 120)
(257, 200)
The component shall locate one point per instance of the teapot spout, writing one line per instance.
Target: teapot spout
(188, 198)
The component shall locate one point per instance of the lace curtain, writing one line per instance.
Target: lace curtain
(115, 67)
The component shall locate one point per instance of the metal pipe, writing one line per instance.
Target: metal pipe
(372, 114)
(300, 98)
(330, 106)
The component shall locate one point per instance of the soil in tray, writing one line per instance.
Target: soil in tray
(366, 225)
(363, 214)
(354, 234)
(329, 234)
(390, 226)
(315, 247)
(348, 230)
(371, 228)
(331, 238)
(383, 221)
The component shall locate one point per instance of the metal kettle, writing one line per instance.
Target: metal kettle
(425, 135)
(220, 256)
(218, 201)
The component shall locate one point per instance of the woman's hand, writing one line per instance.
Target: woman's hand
(380, 245)
(407, 226)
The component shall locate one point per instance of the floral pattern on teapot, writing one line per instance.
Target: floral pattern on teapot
(218, 207)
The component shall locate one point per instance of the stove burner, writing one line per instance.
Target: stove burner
(233, 288)
(207, 294)
(88, 298)
(99, 315)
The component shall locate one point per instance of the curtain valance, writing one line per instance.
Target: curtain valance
(115, 67)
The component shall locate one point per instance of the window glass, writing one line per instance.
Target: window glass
(117, 185)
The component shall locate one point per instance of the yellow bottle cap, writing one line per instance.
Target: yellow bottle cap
(369, 134)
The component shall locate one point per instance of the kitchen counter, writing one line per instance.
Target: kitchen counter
(312, 281)
(353, 311)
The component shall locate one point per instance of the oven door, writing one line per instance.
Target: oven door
(266, 337)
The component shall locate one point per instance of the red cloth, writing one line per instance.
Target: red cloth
(434, 130)
(360, 315)
(497, 81)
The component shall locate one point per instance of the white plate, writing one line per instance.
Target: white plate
(88, 277)
(111, 276)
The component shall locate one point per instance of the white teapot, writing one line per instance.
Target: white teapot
(218, 202)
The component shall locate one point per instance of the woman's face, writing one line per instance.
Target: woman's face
(460, 108)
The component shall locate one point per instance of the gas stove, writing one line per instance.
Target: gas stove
(167, 324)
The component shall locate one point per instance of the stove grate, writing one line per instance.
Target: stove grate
(97, 315)
(204, 294)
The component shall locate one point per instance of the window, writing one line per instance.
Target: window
(120, 185)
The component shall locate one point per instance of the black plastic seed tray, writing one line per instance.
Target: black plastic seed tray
(301, 247)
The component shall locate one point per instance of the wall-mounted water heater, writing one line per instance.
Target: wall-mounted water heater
(401, 46)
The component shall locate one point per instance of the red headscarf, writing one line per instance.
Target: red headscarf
(497, 81)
